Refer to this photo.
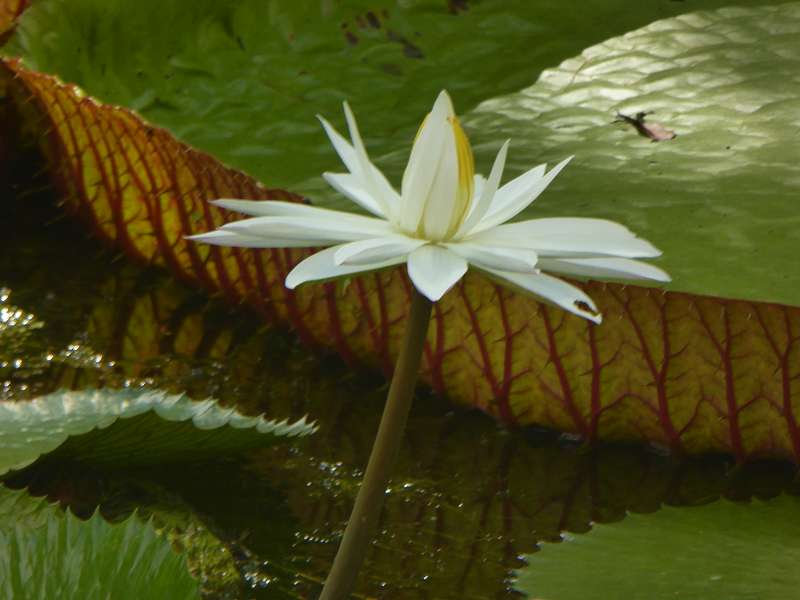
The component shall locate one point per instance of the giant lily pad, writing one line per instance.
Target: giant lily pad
(720, 551)
(49, 553)
(725, 81)
(181, 428)
(722, 199)
(243, 80)
(689, 373)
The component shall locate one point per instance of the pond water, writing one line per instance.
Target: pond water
(468, 498)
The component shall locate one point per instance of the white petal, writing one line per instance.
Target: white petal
(423, 163)
(554, 290)
(564, 226)
(311, 231)
(321, 266)
(568, 238)
(443, 194)
(507, 206)
(376, 249)
(434, 270)
(279, 208)
(517, 187)
(376, 181)
(353, 187)
(479, 181)
(343, 148)
(493, 257)
(230, 238)
(383, 199)
(355, 135)
(486, 194)
(614, 268)
(443, 106)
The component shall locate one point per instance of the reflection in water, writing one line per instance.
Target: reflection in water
(467, 500)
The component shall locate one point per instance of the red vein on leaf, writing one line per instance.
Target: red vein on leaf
(335, 325)
(477, 333)
(786, 406)
(216, 253)
(84, 209)
(594, 397)
(566, 396)
(503, 393)
(197, 268)
(113, 201)
(658, 373)
(378, 348)
(284, 262)
(723, 349)
(154, 209)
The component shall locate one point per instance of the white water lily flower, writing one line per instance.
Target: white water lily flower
(444, 219)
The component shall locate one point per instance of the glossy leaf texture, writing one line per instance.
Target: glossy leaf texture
(691, 552)
(689, 373)
(243, 80)
(49, 553)
(686, 372)
(721, 199)
(176, 427)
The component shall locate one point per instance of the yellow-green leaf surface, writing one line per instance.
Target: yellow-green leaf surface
(49, 553)
(688, 372)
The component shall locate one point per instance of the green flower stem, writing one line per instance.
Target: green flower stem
(364, 518)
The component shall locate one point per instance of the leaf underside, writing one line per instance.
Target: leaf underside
(685, 372)
(10, 10)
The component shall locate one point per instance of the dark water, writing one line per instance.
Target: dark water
(467, 500)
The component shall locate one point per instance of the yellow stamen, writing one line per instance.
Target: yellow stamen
(466, 175)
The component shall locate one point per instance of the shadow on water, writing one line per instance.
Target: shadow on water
(467, 500)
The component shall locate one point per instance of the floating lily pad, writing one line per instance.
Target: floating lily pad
(129, 427)
(722, 199)
(686, 373)
(49, 553)
(720, 551)
(243, 80)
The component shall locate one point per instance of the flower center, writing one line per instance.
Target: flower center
(466, 176)
(451, 192)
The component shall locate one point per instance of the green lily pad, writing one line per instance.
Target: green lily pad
(720, 551)
(722, 199)
(243, 80)
(49, 553)
(130, 427)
